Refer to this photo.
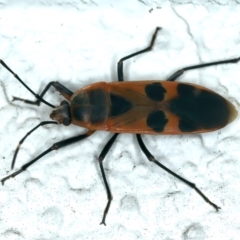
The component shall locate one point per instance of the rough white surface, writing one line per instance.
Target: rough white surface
(62, 196)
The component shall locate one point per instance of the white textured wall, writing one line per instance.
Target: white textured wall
(62, 196)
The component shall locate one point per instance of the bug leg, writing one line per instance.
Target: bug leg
(63, 90)
(59, 87)
(190, 184)
(100, 159)
(120, 62)
(38, 101)
(23, 139)
(39, 98)
(55, 146)
(178, 73)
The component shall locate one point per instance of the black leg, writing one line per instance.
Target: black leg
(55, 146)
(178, 73)
(100, 159)
(63, 90)
(120, 63)
(23, 139)
(39, 98)
(38, 101)
(190, 184)
(58, 86)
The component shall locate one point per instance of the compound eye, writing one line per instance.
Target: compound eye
(66, 121)
(64, 103)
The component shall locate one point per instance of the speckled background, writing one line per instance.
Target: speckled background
(62, 196)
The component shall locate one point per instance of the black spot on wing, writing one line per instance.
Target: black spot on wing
(119, 105)
(155, 91)
(157, 121)
(186, 126)
(199, 109)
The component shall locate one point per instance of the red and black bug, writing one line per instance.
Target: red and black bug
(140, 107)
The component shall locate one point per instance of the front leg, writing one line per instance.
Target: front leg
(39, 98)
(55, 146)
(58, 86)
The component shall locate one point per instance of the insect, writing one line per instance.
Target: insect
(139, 107)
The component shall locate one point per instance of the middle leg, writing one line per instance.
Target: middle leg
(100, 159)
(149, 48)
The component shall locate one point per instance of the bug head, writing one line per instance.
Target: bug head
(62, 114)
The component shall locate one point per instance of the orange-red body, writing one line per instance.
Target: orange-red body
(150, 107)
